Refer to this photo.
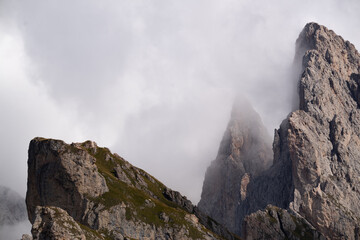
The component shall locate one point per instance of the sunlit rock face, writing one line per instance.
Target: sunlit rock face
(245, 152)
(323, 136)
(12, 207)
(316, 168)
(82, 191)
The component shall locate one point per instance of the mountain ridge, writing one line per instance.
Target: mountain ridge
(104, 197)
(309, 189)
(316, 150)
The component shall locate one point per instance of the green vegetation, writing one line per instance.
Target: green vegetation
(89, 232)
(302, 231)
(135, 198)
(260, 218)
(59, 219)
(272, 220)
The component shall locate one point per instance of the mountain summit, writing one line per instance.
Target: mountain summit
(245, 151)
(312, 188)
(82, 191)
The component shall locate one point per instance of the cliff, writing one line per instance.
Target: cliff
(316, 169)
(82, 191)
(244, 152)
(307, 188)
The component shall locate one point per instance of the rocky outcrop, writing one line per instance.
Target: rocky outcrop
(57, 170)
(12, 207)
(53, 223)
(84, 191)
(245, 152)
(323, 136)
(316, 168)
(278, 223)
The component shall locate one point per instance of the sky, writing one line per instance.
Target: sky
(153, 80)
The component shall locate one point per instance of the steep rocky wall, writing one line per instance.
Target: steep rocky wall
(278, 223)
(244, 152)
(316, 167)
(323, 137)
(316, 150)
(63, 176)
(82, 191)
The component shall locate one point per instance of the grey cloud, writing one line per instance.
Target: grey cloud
(154, 80)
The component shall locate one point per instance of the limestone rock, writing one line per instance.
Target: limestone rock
(316, 150)
(323, 135)
(316, 168)
(277, 223)
(177, 198)
(56, 170)
(121, 175)
(52, 223)
(245, 151)
(105, 196)
(26, 237)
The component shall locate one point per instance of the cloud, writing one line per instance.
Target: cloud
(152, 80)
(15, 231)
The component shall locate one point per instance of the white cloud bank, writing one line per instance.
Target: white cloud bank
(152, 80)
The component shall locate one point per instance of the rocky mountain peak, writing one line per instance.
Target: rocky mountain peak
(246, 143)
(308, 188)
(83, 191)
(323, 139)
(244, 152)
(313, 182)
(333, 65)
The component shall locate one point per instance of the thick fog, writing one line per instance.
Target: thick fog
(152, 80)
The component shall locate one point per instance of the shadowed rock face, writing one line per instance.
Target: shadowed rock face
(245, 151)
(278, 223)
(316, 168)
(82, 191)
(63, 176)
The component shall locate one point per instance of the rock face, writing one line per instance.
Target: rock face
(12, 207)
(82, 191)
(54, 223)
(56, 170)
(278, 223)
(316, 168)
(323, 136)
(245, 152)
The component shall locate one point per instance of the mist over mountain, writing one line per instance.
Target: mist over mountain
(312, 189)
(135, 74)
(13, 214)
(244, 152)
(12, 207)
(156, 80)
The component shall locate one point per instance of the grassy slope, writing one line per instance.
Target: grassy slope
(134, 198)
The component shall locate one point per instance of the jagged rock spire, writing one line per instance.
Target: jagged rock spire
(316, 168)
(244, 152)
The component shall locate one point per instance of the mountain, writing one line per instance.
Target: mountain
(82, 191)
(306, 188)
(245, 151)
(12, 207)
(312, 189)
